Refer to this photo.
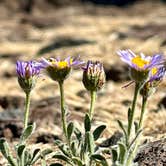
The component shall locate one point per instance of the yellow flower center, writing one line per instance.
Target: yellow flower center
(62, 64)
(154, 71)
(139, 61)
(71, 61)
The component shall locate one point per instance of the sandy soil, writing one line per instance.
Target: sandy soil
(92, 32)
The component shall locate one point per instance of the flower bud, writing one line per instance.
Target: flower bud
(27, 74)
(147, 90)
(156, 76)
(93, 76)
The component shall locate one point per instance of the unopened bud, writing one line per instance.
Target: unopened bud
(93, 76)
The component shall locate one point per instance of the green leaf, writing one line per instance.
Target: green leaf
(98, 131)
(99, 158)
(77, 133)
(63, 158)
(36, 151)
(23, 155)
(55, 164)
(129, 114)
(35, 156)
(42, 154)
(58, 142)
(27, 132)
(114, 155)
(4, 147)
(46, 152)
(12, 161)
(77, 161)
(64, 150)
(123, 128)
(27, 158)
(134, 139)
(90, 142)
(87, 123)
(70, 129)
(20, 150)
(136, 126)
(73, 148)
(122, 152)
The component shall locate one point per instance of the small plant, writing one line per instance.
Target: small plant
(146, 72)
(23, 155)
(28, 73)
(78, 147)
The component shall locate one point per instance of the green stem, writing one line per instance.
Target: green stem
(27, 105)
(92, 103)
(131, 116)
(63, 110)
(133, 153)
(144, 102)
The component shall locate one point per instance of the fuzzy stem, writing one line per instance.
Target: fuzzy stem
(131, 117)
(133, 153)
(92, 104)
(27, 105)
(63, 110)
(144, 102)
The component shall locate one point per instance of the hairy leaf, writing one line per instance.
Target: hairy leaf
(114, 155)
(27, 132)
(98, 131)
(122, 152)
(63, 158)
(100, 158)
(4, 147)
(70, 129)
(87, 123)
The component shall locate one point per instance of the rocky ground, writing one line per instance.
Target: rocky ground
(93, 32)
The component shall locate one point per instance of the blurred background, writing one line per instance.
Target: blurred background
(93, 29)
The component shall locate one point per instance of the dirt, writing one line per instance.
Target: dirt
(93, 32)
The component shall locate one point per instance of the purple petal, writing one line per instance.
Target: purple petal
(27, 69)
(126, 56)
(159, 75)
(157, 60)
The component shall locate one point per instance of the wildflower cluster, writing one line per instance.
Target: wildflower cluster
(79, 148)
(147, 72)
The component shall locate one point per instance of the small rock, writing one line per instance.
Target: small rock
(153, 153)
(11, 102)
(162, 103)
(10, 129)
(117, 73)
(46, 138)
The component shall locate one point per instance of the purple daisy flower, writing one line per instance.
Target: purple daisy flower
(59, 69)
(140, 62)
(27, 73)
(141, 65)
(61, 64)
